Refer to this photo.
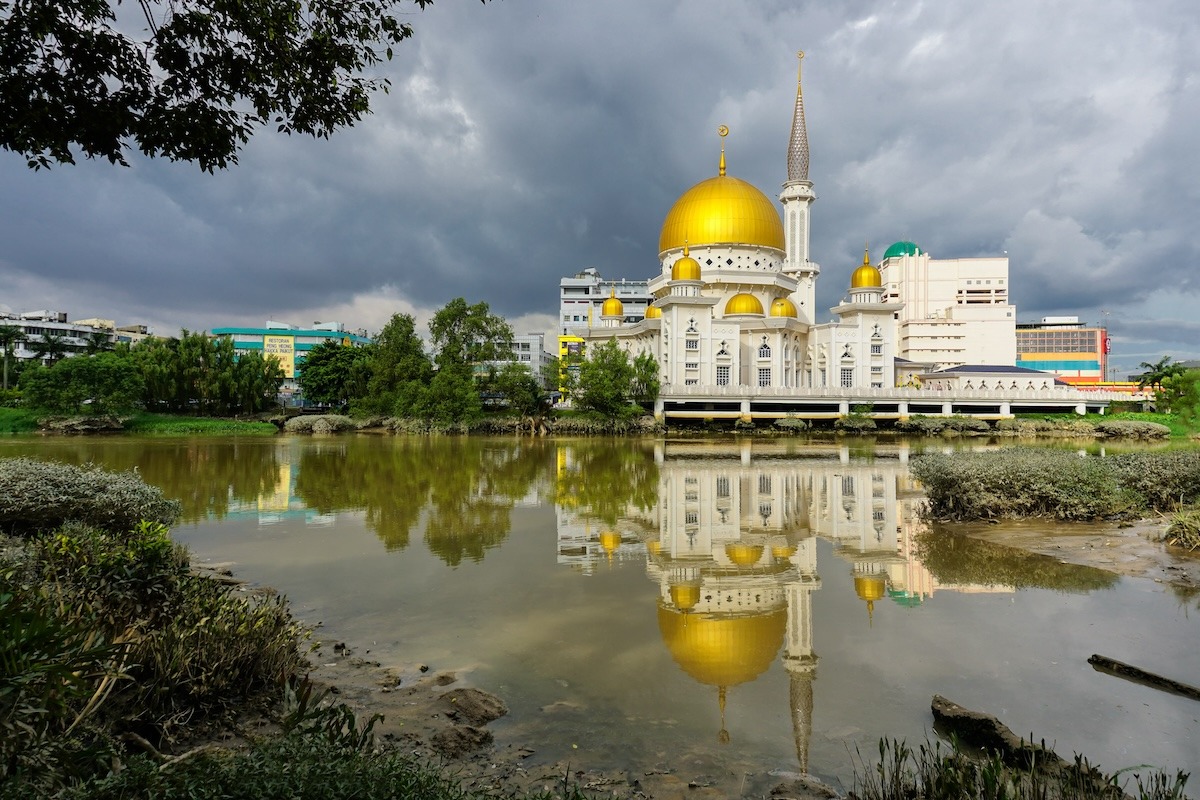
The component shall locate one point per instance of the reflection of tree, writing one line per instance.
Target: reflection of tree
(389, 484)
(959, 559)
(607, 479)
(477, 483)
(204, 475)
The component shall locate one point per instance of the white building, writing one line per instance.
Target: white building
(39, 326)
(953, 311)
(580, 300)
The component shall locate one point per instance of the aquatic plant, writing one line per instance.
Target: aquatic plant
(42, 495)
(1184, 530)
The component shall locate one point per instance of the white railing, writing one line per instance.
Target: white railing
(899, 394)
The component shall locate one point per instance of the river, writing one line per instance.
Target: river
(753, 609)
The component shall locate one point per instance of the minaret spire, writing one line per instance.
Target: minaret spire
(722, 131)
(797, 157)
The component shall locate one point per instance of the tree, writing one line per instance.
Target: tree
(521, 390)
(333, 374)
(1180, 394)
(97, 342)
(466, 335)
(1157, 372)
(9, 336)
(101, 384)
(50, 348)
(606, 381)
(645, 385)
(400, 370)
(200, 78)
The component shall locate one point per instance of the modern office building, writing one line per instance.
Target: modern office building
(35, 326)
(581, 299)
(951, 311)
(1075, 352)
(290, 344)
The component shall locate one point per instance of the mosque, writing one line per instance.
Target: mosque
(732, 312)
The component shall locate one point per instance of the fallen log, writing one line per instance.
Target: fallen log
(986, 732)
(1111, 666)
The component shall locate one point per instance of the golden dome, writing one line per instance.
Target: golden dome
(782, 307)
(870, 587)
(653, 312)
(744, 555)
(866, 276)
(612, 306)
(783, 551)
(722, 650)
(722, 210)
(743, 304)
(685, 269)
(685, 595)
(610, 541)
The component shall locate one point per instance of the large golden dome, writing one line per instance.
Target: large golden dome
(722, 210)
(722, 650)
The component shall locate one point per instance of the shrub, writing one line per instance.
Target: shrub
(791, 424)
(1165, 480)
(319, 423)
(933, 426)
(1184, 530)
(854, 423)
(43, 495)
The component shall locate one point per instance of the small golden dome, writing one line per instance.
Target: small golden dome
(610, 541)
(612, 306)
(684, 596)
(722, 210)
(685, 269)
(782, 307)
(653, 312)
(870, 587)
(866, 276)
(743, 304)
(783, 552)
(744, 555)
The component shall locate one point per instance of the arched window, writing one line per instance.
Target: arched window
(764, 350)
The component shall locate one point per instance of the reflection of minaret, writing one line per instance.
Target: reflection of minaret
(798, 655)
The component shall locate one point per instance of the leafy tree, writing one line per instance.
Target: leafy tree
(1158, 371)
(400, 370)
(101, 384)
(9, 336)
(645, 385)
(202, 76)
(50, 348)
(451, 399)
(606, 382)
(466, 335)
(1180, 394)
(97, 342)
(333, 374)
(196, 373)
(523, 392)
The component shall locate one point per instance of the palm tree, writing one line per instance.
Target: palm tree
(9, 336)
(51, 348)
(98, 342)
(1159, 371)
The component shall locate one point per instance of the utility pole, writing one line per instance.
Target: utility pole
(1104, 343)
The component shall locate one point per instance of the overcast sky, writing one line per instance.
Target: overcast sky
(524, 140)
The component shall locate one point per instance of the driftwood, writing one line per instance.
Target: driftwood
(1111, 666)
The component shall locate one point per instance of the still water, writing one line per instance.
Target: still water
(746, 609)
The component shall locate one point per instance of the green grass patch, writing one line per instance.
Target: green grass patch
(1180, 429)
(169, 425)
(17, 420)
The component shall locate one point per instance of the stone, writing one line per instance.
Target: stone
(477, 707)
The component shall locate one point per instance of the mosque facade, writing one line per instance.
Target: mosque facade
(734, 301)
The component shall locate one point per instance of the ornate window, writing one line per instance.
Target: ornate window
(847, 375)
(723, 375)
(764, 350)
(764, 376)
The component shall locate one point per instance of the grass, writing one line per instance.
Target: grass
(17, 420)
(148, 424)
(1184, 530)
(1179, 428)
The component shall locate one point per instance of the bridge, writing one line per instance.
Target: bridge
(771, 403)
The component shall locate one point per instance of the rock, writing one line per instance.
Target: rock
(803, 787)
(476, 706)
(460, 740)
(982, 730)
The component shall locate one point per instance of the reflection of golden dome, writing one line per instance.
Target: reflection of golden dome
(866, 276)
(782, 307)
(610, 541)
(722, 651)
(870, 587)
(743, 304)
(722, 210)
(653, 312)
(612, 306)
(744, 555)
(654, 546)
(684, 596)
(783, 552)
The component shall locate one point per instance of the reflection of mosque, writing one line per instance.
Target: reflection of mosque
(733, 549)
(281, 502)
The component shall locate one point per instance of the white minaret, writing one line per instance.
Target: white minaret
(797, 198)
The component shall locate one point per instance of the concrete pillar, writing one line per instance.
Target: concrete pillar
(844, 407)
(1081, 408)
(658, 409)
(902, 408)
(947, 409)
(1006, 409)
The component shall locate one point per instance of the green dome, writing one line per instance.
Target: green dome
(902, 249)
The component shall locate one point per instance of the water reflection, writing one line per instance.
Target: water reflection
(729, 535)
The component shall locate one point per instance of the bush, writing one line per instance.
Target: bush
(854, 423)
(1164, 480)
(43, 495)
(793, 424)
(934, 426)
(319, 423)
(1184, 530)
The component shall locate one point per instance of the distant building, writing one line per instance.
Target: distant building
(290, 345)
(1073, 351)
(953, 311)
(36, 325)
(581, 299)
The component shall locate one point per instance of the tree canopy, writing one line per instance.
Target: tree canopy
(610, 385)
(189, 80)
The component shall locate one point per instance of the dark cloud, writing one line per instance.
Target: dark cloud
(524, 141)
